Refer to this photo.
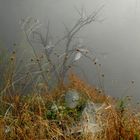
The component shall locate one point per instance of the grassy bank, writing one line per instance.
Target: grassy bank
(31, 117)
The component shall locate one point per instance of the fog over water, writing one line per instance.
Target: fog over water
(116, 39)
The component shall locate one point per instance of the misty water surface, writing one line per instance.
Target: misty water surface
(116, 40)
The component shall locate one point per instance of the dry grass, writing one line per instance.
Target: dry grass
(30, 117)
(26, 111)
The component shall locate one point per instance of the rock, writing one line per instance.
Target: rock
(72, 98)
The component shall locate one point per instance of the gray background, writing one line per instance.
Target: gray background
(116, 40)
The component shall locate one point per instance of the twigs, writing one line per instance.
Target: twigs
(60, 70)
(81, 22)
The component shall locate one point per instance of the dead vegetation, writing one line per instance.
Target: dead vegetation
(31, 118)
(30, 109)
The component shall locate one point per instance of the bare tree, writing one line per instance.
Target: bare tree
(71, 50)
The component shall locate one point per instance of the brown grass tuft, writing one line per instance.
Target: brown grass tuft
(30, 117)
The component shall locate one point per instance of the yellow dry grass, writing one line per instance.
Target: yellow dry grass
(26, 117)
